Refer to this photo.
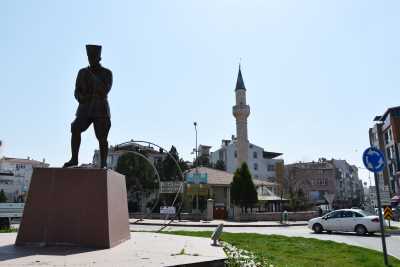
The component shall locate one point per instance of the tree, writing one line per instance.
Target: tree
(243, 191)
(140, 179)
(236, 186)
(291, 187)
(3, 197)
(168, 169)
(220, 165)
(139, 174)
(249, 192)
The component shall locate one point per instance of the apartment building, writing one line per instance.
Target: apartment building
(114, 152)
(385, 135)
(15, 176)
(319, 178)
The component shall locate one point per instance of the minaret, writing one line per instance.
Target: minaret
(241, 111)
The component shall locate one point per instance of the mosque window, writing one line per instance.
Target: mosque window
(255, 166)
(255, 154)
(235, 154)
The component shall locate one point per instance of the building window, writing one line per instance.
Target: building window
(255, 166)
(19, 166)
(388, 136)
(235, 154)
(389, 152)
(391, 169)
(255, 154)
(271, 168)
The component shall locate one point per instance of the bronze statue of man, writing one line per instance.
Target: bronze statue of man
(92, 86)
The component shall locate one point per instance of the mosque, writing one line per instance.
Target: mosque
(263, 165)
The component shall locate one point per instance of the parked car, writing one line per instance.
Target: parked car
(346, 220)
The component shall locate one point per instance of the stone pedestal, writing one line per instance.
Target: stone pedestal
(80, 207)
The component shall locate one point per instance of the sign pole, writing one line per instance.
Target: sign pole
(374, 161)
(381, 220)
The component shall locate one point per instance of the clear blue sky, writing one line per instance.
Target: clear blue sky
(316, 73)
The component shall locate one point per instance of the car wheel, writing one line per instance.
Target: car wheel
(329, 232)
(317, 228)
(361, 230)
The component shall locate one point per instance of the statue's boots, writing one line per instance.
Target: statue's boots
(103, 153)
(71, 163)
(75, 144)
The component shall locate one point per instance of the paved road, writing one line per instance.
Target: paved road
(371, 242)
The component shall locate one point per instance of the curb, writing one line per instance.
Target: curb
(216, 225)
(393, 232)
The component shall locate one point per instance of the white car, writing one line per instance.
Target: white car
(346, 220)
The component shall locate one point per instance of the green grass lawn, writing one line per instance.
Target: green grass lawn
(298, 251)
(8, 230)
(392, 228)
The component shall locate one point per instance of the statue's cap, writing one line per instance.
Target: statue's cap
(93, 50)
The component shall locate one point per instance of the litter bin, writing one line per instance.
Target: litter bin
(285, 217)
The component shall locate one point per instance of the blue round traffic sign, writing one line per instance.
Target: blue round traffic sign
(373, 159)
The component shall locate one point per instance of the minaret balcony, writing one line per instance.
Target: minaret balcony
(240, 111)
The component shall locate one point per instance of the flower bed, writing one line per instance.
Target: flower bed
(241, 258)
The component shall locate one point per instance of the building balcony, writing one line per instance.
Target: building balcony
(241, 111)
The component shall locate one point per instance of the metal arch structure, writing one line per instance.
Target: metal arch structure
(155, 169)
(166, 151)
(158, 178)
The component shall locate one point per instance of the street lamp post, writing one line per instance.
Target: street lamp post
(197, 171)
(195, 150)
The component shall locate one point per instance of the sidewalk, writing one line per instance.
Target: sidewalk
(214, 223)
(394, 231)
(142, 250)
(394, 223)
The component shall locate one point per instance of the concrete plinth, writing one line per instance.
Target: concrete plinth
(79, 207)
